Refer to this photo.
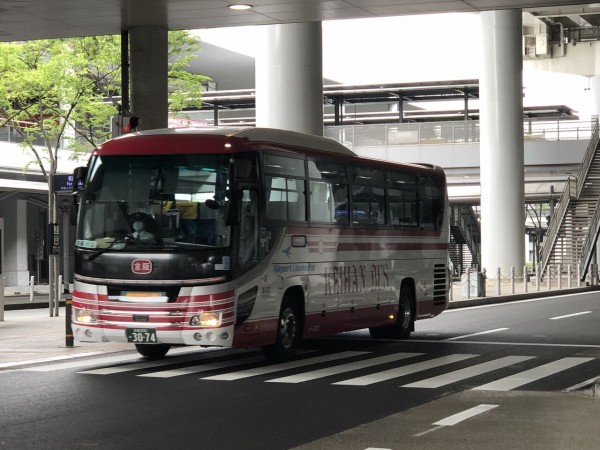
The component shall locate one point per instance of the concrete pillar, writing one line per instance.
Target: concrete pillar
(502, 150)
(15, 265)
(149, 75)
(289, 78)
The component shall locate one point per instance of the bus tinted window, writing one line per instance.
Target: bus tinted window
(402, 199)
(286, 199)
(280, 165)
(327, 170)
(322, 204)
(431, 197)
(368, 205)
(367, 176)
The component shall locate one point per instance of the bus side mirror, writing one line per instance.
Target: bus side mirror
(79, 176)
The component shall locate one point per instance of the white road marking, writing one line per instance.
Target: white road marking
(461, 416)
(528, 376)
(203, 367)
(145, 364)
(334, 370)
(570, 315)
(405, 370)
(457, 418)
(285, 366)
(469, 372)
(475, 334)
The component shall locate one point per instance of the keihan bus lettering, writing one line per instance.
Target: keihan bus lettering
(253, 238)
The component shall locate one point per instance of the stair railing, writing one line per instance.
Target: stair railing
(590, 239)
(556, 221)
(573, 188)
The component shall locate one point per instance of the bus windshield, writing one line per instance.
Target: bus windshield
(155, 201)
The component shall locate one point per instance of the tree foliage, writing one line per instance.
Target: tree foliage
(62, 93)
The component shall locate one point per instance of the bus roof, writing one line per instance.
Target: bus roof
(147, 141)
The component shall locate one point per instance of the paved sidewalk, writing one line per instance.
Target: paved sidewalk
(29, 334)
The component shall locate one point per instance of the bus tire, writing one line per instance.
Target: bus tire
(405, 322)
(152, 350)
(289, 332)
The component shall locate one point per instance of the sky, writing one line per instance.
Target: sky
(411, 49)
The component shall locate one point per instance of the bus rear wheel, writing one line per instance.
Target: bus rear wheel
(152, 350)
(405, 322)
(289, 331)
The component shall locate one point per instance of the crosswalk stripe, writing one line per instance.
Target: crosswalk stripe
(207, 353)
(284, 366)
(116, 359)
(469, 372)
(203, 367)
(404, 370)
(335, 370)
(528, 376)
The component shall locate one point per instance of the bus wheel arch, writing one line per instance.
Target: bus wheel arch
(290, 325)
(405, 318)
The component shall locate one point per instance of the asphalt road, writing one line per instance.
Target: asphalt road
(483, 377)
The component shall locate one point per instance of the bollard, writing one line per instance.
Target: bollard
(31, 287)
(59, 290)
(68, 326)
(498, 290)
(569, 276)
(483, 282)
(578, 275)
(512, 279)
(559, 274)
(549, 277)
(525, 278)
(1, 298)
(468, 283)
(537, 278)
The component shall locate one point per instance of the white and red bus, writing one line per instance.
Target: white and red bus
(253, 237)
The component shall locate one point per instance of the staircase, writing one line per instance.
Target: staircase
(574, 227)
(465, 239)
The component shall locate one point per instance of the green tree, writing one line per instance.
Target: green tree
(61, 94)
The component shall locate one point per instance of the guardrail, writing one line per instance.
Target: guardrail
(460, 132)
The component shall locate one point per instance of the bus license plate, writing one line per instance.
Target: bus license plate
(141, 335)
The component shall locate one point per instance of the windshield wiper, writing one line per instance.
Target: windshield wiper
(126, 240)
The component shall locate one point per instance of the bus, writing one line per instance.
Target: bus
(253, 237)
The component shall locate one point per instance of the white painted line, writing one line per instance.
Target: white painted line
(469, 372)
(377, 448)
(570, 315)
(145, 364)
(475, 334)
(203, 367)
(405, 370)
(87, 363)
(457, 418)
(49, 359)
(116, 359)
(284, 366)
(357, 365)
(528, 376)
(515, 344)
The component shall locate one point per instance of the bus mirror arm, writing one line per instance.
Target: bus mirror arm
(232, 213)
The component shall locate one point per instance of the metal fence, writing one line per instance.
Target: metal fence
(461, 132)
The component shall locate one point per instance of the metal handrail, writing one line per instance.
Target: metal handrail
(587, 159)
(556, 221)
(590, 239)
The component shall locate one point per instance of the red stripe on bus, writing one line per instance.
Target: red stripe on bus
(370, 246)
(310, 231)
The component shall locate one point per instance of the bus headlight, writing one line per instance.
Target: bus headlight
(85, 316)
(208, 319)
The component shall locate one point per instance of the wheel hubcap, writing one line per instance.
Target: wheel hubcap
(287, 328)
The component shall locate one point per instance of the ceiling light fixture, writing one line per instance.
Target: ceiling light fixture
(240, 7)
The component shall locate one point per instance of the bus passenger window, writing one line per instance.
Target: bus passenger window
(432, 200)
(286, 199)
(321, 202)
(368, 205)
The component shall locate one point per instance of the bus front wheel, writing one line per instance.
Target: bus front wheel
(152, 350)
(289, 328)
(405, 322)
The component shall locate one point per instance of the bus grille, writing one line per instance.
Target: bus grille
(439, 284)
